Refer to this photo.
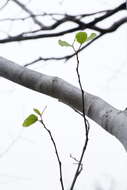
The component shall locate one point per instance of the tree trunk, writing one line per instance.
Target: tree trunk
(112, 120)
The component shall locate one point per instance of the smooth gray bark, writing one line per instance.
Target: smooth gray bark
(112, 120)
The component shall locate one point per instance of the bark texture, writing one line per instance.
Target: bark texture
(112, 120)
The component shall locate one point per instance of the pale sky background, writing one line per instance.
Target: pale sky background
(27, 158)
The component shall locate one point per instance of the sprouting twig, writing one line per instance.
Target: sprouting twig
(56, 151)
(77, 162)
(79, 167)
(65, 58)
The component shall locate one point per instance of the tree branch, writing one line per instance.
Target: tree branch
(23, 7)
(66, 57)
(112, 120)
(77, 19)
(5, 4)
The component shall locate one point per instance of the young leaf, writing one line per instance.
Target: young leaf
(81, 37)
(37, 111)
(64, 43)
(92, 36)
(31, 119)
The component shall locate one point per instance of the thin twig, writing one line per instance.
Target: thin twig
(78, 171)
(23, 7)
(4, 5)
(47, 59)
(65, 58)
(56, 151)
(77, 162)
(31, 35)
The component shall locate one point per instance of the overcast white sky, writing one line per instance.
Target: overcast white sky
(27, 158)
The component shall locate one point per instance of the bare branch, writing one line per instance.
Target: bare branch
(115, 26)
(49, 59)
(81, 25)
(107, 13)
(22, 6)
(5, 4)
(110, 13)
(34, 15)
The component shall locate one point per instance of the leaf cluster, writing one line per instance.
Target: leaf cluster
(80, 37)
(32, 118)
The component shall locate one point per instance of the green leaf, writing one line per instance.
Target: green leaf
(81, 37)
(37, 111)
(92, 36)
(31, 119)
(64, 43)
